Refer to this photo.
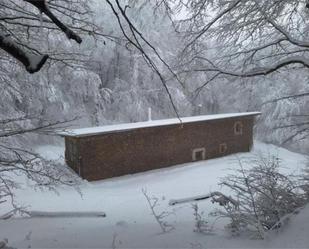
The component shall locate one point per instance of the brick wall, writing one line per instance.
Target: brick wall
(120, 153)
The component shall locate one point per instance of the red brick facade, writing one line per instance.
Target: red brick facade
(118, 153)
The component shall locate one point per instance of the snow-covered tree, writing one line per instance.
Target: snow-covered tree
(243, 44)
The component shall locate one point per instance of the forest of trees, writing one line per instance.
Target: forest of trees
(108, 61)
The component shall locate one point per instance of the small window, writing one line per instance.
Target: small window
(198, 154)
(238, 128)
(223, 148)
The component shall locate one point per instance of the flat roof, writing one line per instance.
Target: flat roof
(81, 132)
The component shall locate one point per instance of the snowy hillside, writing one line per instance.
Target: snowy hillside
(129, 222)
(69, 64)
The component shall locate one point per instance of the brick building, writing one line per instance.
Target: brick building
(115, 150)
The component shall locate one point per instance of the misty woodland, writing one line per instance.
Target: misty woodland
(154, 124)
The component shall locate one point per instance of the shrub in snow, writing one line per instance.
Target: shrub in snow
(265, 196)
(160, 217)
(201, 225)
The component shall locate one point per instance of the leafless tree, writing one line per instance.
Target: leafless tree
(35, 20)
(244, 39)
(14, 161)
(256, 37)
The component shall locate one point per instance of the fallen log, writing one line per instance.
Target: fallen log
(189, 199)
(43, 214)
(216, 196)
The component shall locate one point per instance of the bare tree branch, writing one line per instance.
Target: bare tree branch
(32, 62)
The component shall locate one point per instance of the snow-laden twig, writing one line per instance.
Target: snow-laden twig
(267, 197)
(201, 225)
(159, 216)
(115, 241)
(285, 219)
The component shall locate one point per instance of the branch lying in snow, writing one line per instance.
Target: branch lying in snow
(216, 197)
(88, 214)
(173, 202)
(42, 214)
(32, 62)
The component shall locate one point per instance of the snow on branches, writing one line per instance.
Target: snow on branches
(19, 21)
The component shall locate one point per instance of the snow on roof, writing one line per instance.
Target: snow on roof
(161, 122)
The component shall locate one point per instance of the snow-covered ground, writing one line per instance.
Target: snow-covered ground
(129, 223)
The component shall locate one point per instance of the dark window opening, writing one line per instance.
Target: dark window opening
(198, 154)
(223, 148)
(238, 128)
